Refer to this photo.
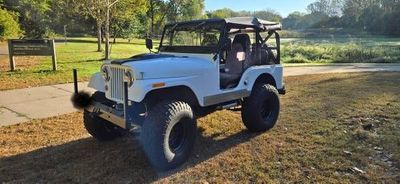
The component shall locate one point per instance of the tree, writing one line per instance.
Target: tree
(371, 19)
(129, 29)
(154, 7)
(270, 15)
(128, 24)
(161, 11)
(220, 13)
(127, 9)
(375, 16)
(126, 16)
(63, 14)
(96, 9)
(329, 8)
(293, 20)
(33, 16)
(391, 17)
(191, 9)
(9, 26)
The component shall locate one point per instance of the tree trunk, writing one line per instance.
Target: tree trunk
(115, 35)
(99, 49)
(107, 53)
(152, 18)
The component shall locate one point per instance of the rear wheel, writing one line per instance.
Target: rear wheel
(99, 128)
(260, 110)
(168, 134)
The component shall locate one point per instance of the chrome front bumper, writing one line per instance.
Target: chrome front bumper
(108, 113)
(119, 118)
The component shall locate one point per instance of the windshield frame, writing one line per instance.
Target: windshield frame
(193, 49)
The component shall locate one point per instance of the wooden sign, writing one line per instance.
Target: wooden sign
(42, 47)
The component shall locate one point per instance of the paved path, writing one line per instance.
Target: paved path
(22, 105)
(294, 70)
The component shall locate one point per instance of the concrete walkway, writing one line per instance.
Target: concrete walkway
(21, 105)
(294, 70)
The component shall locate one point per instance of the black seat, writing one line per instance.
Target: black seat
(237, 57)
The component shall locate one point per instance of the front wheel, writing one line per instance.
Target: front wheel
(168, 134)
(99, 128)
(260, 110)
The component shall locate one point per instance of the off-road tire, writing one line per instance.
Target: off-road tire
(168, 134)
(99, 128)
(260, 110)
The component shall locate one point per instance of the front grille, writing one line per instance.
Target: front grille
(116, 84)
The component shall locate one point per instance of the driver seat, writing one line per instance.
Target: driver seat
(235, 61)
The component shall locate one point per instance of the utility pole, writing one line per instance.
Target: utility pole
(107, 55)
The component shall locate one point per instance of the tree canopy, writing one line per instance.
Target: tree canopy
(9, 26)
(267, 14)
(374, 16)
(141, 18)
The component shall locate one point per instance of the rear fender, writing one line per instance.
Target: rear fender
(252, 74)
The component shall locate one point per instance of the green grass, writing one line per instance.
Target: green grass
(328, 125)
(76, 53)
(341, 50)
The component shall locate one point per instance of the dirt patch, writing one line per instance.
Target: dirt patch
(21, 63)
(344, 130)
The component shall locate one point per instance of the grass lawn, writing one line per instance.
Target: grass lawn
(77, 53)
(336, 128)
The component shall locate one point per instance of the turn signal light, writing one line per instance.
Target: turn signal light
(158, 85)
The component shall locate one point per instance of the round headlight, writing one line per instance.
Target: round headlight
(129, 77)
(105, 72)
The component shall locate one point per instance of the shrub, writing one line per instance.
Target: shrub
(9, 27)
(305, 52)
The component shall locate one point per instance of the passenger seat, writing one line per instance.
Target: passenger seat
(237, 57)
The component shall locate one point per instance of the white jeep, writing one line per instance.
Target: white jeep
(201, 66)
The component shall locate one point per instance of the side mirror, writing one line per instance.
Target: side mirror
(149, 43)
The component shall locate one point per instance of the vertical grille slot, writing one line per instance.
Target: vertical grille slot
(116, 84)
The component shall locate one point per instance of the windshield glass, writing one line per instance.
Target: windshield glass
(191, 38)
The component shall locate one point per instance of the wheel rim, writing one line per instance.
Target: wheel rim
(177, 137)
(266, 110)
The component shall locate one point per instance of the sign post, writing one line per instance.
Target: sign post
(54, 56)
(32, 48)
(10, 54)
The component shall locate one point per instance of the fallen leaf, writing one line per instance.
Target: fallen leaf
(358, 170)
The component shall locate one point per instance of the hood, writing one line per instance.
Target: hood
(155, 66)
(141, 57)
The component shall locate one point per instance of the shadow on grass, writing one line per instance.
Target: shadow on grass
(45, 71)
(120, 161)
(85, 61)
(341, 79)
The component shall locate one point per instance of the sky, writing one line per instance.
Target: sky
(284, 7)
